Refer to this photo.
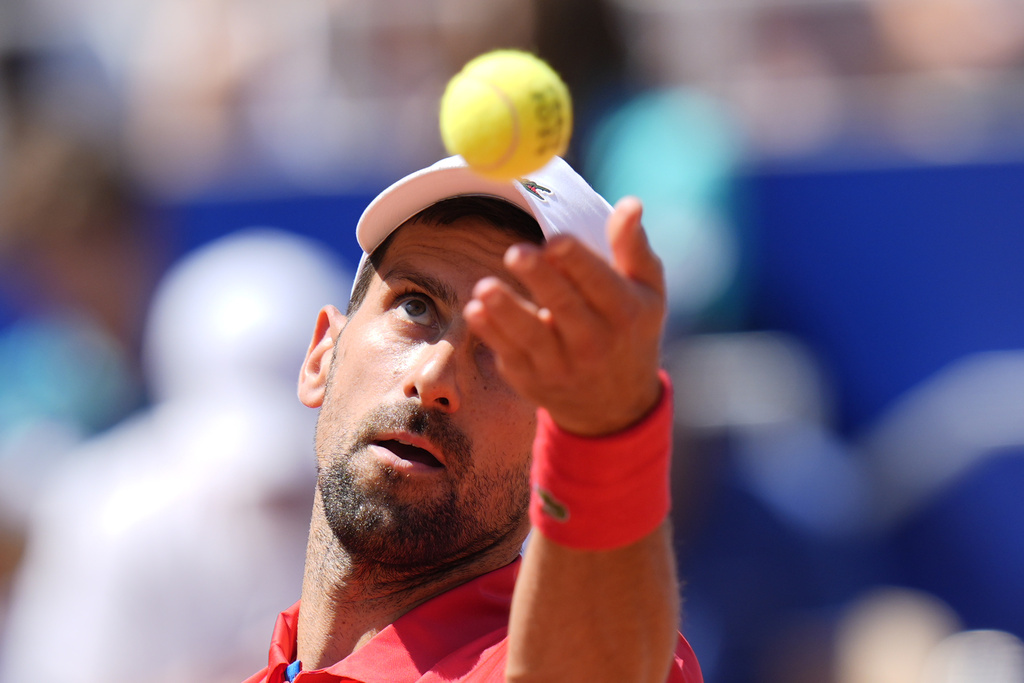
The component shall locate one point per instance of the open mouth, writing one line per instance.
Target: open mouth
(409, 452)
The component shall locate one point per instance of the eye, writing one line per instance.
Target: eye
(417, 309)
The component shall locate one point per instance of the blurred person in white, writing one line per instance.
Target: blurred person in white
(165, 547)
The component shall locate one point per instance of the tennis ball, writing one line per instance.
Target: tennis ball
(507, 113)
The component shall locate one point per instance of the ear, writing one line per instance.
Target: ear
(317, 366)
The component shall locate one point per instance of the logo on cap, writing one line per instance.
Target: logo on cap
(535, 189)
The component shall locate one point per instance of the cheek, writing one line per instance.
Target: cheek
(510, 438)
(500, 484)
(371, 367)
(359, 377)
(330, 435)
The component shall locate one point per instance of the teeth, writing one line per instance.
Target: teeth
(404, 443)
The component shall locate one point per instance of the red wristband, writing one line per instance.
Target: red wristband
(598, 493)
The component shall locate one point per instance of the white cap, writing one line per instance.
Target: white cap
(558, 197)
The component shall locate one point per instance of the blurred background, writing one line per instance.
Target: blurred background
(836, 188)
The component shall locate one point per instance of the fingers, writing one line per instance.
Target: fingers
(560, 296)
(576, 296)
(565, 275)
(586, 344)
(631, 250)
(515, 329)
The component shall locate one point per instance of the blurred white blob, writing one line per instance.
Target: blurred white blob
(898, 635)
(166, 548)
(765, 392)
(940, 429)
(888, 634)
(239, 309)
(976, 657)
(747, 380)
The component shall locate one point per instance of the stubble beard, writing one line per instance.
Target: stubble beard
(405, 535)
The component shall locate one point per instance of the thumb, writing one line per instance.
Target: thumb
(631, 251)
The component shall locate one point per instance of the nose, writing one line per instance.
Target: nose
(433, 377)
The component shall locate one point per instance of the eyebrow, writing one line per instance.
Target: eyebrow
(438, 289)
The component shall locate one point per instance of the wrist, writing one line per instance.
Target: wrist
(603, 492)
(624, 414)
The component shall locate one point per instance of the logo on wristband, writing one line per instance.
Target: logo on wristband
(551, 506)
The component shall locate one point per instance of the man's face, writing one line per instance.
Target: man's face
(423, 448)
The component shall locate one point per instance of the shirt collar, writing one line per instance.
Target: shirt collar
(420, 638)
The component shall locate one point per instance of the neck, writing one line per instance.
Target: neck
(345, 603)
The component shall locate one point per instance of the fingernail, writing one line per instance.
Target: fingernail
(519, 254)
(484, 287)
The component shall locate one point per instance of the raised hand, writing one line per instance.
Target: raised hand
(586, 347)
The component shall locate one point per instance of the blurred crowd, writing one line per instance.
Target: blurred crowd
(834, 186)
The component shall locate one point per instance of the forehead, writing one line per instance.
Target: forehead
(468, 248)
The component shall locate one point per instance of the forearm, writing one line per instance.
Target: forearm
(609, 615)
(596, 599)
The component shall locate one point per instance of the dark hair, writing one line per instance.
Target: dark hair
(496, 212)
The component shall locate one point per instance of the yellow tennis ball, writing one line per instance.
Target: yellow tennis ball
(507, 113)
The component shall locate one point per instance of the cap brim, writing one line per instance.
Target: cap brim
(401, 201)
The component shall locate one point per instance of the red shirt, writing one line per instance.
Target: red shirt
(460, 635)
